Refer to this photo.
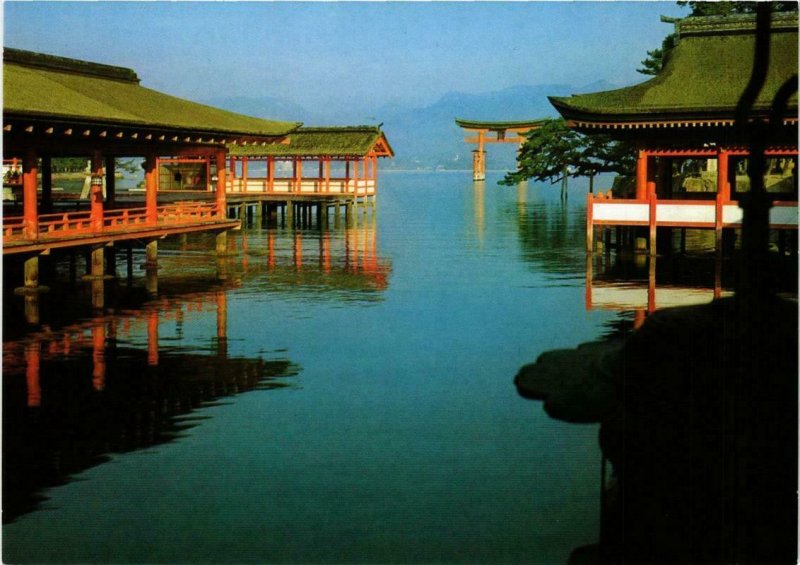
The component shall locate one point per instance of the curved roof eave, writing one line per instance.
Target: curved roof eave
(476, 124)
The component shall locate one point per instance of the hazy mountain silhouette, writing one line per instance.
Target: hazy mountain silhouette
(427, 137)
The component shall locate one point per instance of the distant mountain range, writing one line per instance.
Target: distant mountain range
(427, 137)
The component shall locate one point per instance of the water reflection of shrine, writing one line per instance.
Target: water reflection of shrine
(644, 285)
(325, 264)
(110, 384)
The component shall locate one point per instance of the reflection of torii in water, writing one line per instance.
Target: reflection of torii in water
(500, 131)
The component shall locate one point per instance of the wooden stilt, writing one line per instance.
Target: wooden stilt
(289, 214)
(31, 272)
(222, 243)
(98, 293)
(151, 254)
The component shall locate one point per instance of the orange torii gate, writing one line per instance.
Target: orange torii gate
(501, 131)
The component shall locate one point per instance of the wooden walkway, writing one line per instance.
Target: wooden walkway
(70, 229)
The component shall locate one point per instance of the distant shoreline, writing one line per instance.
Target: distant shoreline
(440, 171)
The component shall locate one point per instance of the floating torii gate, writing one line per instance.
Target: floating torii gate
(494, 132)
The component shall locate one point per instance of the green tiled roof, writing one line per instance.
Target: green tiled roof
(346, 141)
(704, 75)
(56, 88)
(472, 124)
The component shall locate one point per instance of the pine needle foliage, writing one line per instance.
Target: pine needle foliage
(554, 148)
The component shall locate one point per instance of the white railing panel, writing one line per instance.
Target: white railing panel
(686, 213)
(620, 212)
(731, 214)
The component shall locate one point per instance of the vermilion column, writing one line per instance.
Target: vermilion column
(96, 194)
(222, 211)
(641, 176)
(299, 174)
(723, 183)
(151, 188)
(271, 174)
(29, 196)
(723, 195)
(375, 172)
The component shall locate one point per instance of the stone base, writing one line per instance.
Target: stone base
(31, 290)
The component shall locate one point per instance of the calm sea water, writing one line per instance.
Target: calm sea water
(338, 395)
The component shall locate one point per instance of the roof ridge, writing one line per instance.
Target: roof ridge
(742, 23)
(64, 64)
(333, 129)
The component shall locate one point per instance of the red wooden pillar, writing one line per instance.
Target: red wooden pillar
(29, 196)
(222, 211)
(346, 175)
(293, 185)
(270, 174)
(318, 186)
(641, 176)
(244, 174)
(96, 193)
(327, 174)
(151, 188)
(299, 165)
(723, 195)
(648, 173)
(375, 172)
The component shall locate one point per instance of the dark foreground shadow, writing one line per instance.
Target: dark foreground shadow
(698, 413)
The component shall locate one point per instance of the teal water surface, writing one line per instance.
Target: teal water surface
(382, 423)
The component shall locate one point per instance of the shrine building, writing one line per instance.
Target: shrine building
(691, 163)
(58, 107)
(314, 167)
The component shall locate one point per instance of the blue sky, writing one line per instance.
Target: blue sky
(347, 54)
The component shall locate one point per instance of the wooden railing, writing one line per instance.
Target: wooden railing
(123, 219)
(306, 185)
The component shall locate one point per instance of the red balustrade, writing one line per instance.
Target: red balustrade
(119, 220)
